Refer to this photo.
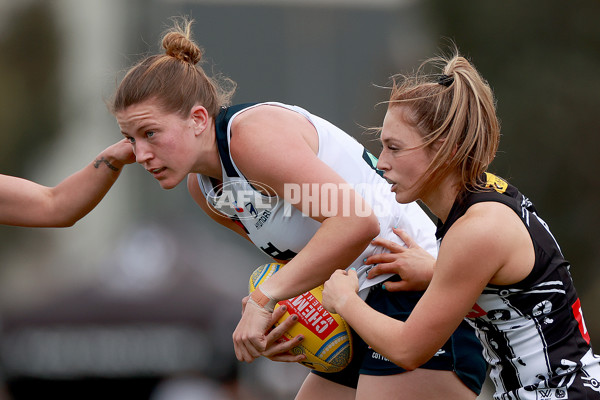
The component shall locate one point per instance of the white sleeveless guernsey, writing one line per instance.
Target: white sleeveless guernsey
(281, 230)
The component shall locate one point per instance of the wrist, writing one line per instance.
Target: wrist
(263, 299)
(345, 302)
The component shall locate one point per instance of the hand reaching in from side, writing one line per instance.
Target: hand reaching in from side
(411, 262)
(278, 348)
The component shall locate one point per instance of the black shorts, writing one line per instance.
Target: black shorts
(462, 353)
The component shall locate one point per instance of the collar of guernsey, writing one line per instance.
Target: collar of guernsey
(409, 217)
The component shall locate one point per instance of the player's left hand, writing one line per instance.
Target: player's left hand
(338, 288)
(411, 262)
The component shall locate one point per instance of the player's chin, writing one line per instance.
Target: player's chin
(403, 197)
(168, 183)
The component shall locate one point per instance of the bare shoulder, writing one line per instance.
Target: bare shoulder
(264, 116)
(494, 219)
(487, 226)
(493, 236)
(269, 135)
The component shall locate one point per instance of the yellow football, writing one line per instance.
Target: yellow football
(327, 342)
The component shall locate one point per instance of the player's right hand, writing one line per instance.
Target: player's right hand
(249, 337)
(122, 151)
(278, 347)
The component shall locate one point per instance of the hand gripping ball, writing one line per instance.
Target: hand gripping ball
(327, 340)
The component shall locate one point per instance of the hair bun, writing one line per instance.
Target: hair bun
(181, 47)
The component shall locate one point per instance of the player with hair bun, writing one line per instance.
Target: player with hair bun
(304, 192)
(498, 267)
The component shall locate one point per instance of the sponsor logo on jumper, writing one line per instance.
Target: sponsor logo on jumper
(236, 207)
(251, 209)
(579, 318)
(592, 383)
(552, 394)
(227, 199)
(264, 217)
(476, 312)
(311, 314)
(495, 182)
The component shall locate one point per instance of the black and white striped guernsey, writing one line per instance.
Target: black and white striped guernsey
(534, 336)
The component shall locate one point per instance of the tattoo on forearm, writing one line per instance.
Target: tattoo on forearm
(105, 161)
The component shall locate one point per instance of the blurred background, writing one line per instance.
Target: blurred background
(140, 298)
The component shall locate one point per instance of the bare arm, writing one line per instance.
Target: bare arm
(26, 203)
(281, 140)
(488, 244)
(286, 145)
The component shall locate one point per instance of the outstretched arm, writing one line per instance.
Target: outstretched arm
(26, 203)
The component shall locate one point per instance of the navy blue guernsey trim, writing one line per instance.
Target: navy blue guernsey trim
(371, 160)
(221, 123)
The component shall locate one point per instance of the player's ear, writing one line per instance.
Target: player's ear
(437, 145)
(199, 118)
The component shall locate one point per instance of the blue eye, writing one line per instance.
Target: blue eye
(130, 139)
(149, 134)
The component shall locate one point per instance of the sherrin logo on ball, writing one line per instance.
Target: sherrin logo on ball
(327, 342)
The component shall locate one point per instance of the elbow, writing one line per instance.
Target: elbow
(61, 224)
(67, 224)
(367, 229)
(67, 218)
(371, 227)
(408, 361)
(407, 365)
